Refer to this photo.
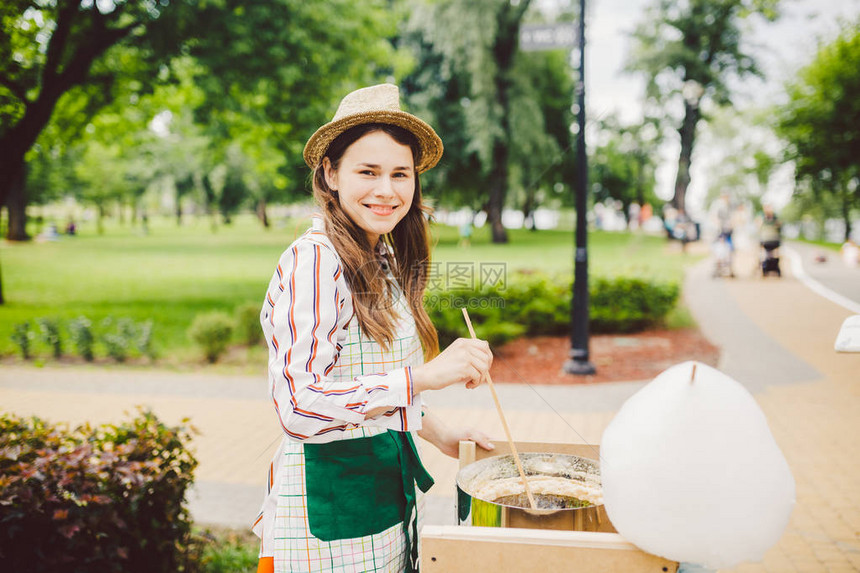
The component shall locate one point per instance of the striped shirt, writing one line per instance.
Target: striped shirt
(324, 375)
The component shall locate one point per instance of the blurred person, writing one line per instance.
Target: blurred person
(850, 253)
(633, 216)
(645, 213)
(724, 215)
(770, 235)
(769, 228)
(465, 234)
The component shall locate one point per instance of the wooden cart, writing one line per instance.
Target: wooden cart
(461, 549)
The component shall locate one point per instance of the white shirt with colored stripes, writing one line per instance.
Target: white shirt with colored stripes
(324, 375)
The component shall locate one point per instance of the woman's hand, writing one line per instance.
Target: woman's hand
(466, 361)
(448, 439)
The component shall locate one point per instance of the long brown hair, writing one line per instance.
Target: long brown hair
(409, 240)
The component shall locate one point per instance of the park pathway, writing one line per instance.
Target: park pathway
(777, 338)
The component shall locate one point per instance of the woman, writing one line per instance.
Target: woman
(348, 337)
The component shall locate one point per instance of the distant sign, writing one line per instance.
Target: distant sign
(537, 37)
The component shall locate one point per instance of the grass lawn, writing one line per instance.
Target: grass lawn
(173, 273)
(609, 253)
(835, 247)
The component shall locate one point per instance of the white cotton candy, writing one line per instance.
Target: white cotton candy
(848, 339)
(691, 472)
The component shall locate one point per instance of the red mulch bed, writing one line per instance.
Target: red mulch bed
(616, 357)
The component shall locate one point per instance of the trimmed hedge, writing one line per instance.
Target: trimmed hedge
(104, 499)
(629, 305)
(538, 304)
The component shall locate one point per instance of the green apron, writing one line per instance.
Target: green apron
(364, 486)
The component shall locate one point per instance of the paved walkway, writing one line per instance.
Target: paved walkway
(777, 338)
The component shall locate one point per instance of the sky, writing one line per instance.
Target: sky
(782, 48)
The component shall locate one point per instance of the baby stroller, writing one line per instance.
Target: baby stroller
(722, 249)
(770, 258)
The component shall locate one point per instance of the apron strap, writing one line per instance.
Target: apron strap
(413, 471)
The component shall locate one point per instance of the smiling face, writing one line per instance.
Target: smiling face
(375, 181)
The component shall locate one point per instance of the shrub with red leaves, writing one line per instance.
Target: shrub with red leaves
(90, 500)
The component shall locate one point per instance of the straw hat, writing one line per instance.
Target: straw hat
(374, 104)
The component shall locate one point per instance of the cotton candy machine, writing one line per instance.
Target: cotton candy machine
(566, 489)
(517, 538)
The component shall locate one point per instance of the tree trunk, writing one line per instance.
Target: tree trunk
(2, 300)
(504, 50)
(261, 213)
(100, 227)
(209, 198)
(640, 185)
(529, 211)
(16, 207)
(846, 213)
(11, 168)
(688, 136)
(182, 187)
(54, 82)
(498, 187)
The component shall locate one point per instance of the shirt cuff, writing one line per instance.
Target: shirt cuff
(402, 419)
(391, 389)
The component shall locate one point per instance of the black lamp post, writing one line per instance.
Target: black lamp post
(578, 362)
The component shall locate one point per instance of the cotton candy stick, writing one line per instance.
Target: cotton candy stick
(504, 421)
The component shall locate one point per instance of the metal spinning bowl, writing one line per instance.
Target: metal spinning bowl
(471, 510)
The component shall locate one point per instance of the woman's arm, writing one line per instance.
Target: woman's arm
(447, 439)
(303, 314)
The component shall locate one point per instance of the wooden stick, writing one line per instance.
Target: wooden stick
(693, 375)
(504, 421)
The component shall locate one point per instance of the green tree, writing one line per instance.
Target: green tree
(821, 123)
(50, 48)
(497, 109)
(811, 209)
(742, 154)
(623, 162)
(691, 50)
(542, 160)
(272, 72)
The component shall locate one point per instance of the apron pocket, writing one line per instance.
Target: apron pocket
(354, 487)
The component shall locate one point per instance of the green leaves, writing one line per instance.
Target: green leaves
(537, 304)
(821, 123)
(504, 115)
(94, 499)
(698, 40)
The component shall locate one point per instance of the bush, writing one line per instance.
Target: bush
(105, 499)
(80, 330)
(630, 305)
(144, 340)
(117, 342)
(211, 331)
(248, 323)
(538, 304)
(21, 336)
(51, 335)
(487, 311)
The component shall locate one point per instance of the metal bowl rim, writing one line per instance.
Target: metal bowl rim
(480, 465)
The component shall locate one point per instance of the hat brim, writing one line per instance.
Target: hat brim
(429, 143)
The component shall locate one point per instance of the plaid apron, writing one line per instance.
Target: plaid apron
(321, 385)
